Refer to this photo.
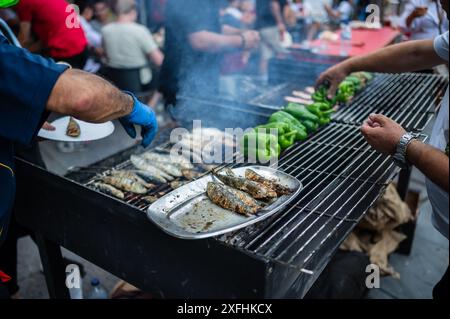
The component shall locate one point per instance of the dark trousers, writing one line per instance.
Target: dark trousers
(440, 291)
(4, 294)
(8, 250)
(77, 61)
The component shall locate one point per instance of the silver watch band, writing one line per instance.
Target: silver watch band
(402, 146)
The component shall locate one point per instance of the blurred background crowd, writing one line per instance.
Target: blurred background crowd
(125, 40)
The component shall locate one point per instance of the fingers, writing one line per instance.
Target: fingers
(48, 127)
(378, 118)
(332, 90)
(148, 135)
(130, 129)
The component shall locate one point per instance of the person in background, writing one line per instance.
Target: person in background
(272, 28)
(318, 17)
(11, 18)
(54, 39)
(388, 137)
(93, 37)
(342, 14)
(423, 19)
(248, 13)
(129, 45)
(194, 48)
(103, 15)
(298, 17)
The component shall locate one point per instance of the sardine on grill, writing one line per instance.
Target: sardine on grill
(176, 160)
(148, 177)
(168, 168)
(277, 187)
(191, 174)
(125, 184)
(110, 190)
(222, 196)
(255, 189)
(150, 199)
(145, 165)
(131, 175)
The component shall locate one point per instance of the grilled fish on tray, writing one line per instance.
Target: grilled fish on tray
(255, 189)
(110, 190)
(272, 184)
(232, 199)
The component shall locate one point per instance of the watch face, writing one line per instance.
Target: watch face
(8, 3)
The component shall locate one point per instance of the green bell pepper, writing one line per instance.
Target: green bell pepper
(287, 140)
(261, 146)
(283, 117)
(300, 112)
(311, 126)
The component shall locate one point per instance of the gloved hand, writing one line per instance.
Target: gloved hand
(140, 115)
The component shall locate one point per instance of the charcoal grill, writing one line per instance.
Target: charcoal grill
(278, 258)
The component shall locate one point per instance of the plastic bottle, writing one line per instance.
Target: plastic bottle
(346, 39)
(97, 290)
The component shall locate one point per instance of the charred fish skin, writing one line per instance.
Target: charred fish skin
(277, 187)
(125, 184)
(222, 197)
(177, 161)
(110, 190)
(132, 176)
(73, 128)
(148, 177)
(142, 164)
(246, 198)
(256, 190)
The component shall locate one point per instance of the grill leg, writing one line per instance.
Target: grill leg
(54, 271)
(409, 228)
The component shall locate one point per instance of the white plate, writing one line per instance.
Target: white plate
(89, 131)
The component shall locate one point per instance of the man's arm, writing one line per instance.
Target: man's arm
(383, 134)
(88, 97)
(432, 162)
(405, 57)
(211, 42)
(25, 34)
(156, 57)
(276, 9)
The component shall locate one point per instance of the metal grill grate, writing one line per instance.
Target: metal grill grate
(411, 99)
(342, 178)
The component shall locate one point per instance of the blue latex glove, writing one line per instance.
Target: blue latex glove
(143, 116)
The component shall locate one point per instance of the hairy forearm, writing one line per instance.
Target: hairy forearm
(405, 57)
(433, 163)
(205, 41)
(88, 97)
(276, 11)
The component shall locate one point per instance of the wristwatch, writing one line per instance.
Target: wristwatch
(402, 146)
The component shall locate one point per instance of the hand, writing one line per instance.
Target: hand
(334, 76)
(419, 12)
(252, 40)
(282, 30)
(144, 116)
(48, 127)
(382, 133)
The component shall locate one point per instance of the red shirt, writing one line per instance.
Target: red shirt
(56, 28)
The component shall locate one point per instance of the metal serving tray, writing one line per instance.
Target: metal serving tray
(188, 213)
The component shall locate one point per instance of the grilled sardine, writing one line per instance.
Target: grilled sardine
(131, 175)
(143, 164)
(176, 160)
(73, 128)
(255, 189)
(222, 196)
(110, 190)
(125, 184)
(168, 168)
(277, 187)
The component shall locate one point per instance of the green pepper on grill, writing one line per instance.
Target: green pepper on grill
(311, 126)
(283, 117)
(287, 140)
(260, 146)
(300, 112)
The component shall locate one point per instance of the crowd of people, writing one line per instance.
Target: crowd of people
(110, 41)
